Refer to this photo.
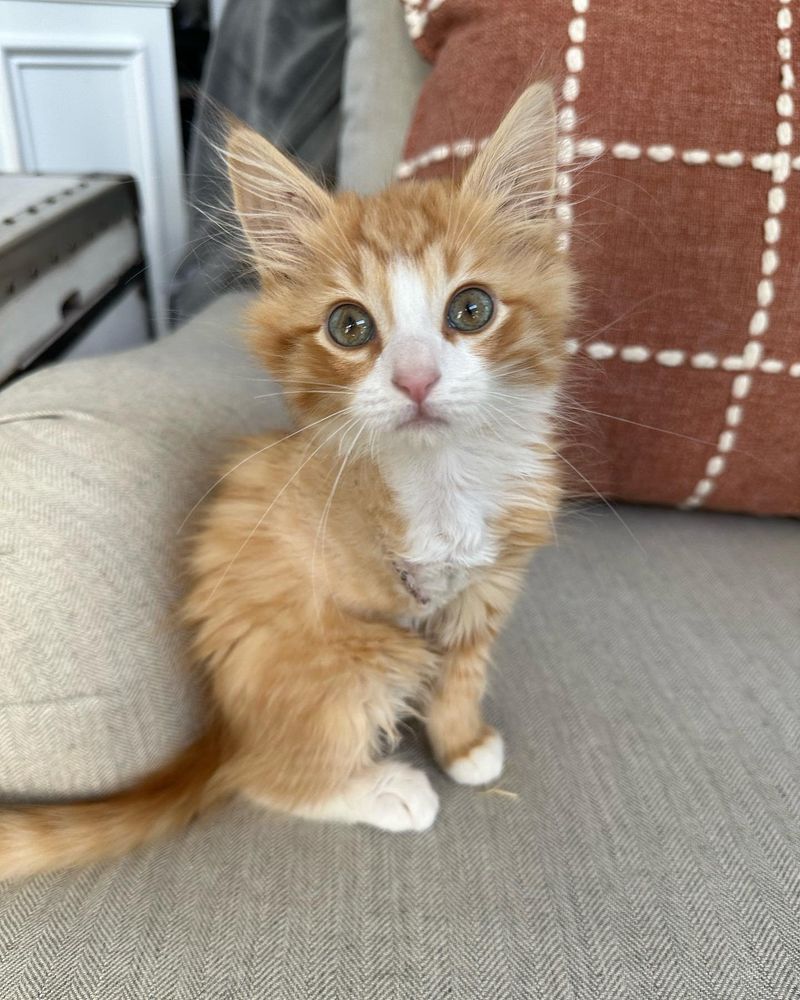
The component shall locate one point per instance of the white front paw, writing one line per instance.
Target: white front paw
(482, 765)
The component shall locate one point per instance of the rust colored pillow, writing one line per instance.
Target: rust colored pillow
(680, 184)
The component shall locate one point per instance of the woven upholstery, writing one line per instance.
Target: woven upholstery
(650, 696)
(101, 461)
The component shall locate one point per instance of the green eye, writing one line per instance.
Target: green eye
(470, 310)
(350, 326)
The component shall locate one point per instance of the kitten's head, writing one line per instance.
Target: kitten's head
(431, 310)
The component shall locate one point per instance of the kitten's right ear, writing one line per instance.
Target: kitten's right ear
(275, 201)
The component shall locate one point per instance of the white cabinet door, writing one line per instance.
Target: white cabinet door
(89, 87)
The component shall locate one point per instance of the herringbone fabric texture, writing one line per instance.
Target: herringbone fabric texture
(100, 463)
(644, 845)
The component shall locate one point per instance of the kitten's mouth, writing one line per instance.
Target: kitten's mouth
(422, 418)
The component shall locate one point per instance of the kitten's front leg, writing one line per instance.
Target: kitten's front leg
(469, 750)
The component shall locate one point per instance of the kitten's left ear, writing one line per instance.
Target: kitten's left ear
(275, 201)
(518, 164)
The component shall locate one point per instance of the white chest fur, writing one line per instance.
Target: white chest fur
(449, 498)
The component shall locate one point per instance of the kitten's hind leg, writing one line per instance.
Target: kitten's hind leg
(390, 795)
(330, 703)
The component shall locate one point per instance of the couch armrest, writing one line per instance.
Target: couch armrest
(101, 461)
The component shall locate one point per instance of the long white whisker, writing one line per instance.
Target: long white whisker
(648, 427)
(260, 451)
(594, 490)
(323, 524)
(272, 504)
(314, 392)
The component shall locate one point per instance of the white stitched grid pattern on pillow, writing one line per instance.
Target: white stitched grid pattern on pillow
(754, 360)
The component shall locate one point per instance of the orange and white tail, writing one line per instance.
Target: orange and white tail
(43, 838)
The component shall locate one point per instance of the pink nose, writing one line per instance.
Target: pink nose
(416, 384)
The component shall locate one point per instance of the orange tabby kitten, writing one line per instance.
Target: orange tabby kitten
(357, 570)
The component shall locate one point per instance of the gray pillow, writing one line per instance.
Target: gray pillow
(383, 74)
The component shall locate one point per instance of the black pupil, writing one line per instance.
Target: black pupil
(350, 327)
(470, 310)
(354, 327)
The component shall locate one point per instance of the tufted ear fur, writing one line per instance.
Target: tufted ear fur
(518, 164)
(275, 201)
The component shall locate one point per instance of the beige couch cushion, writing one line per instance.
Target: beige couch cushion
(101, 461)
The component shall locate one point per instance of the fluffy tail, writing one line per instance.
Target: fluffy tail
(43, 838)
